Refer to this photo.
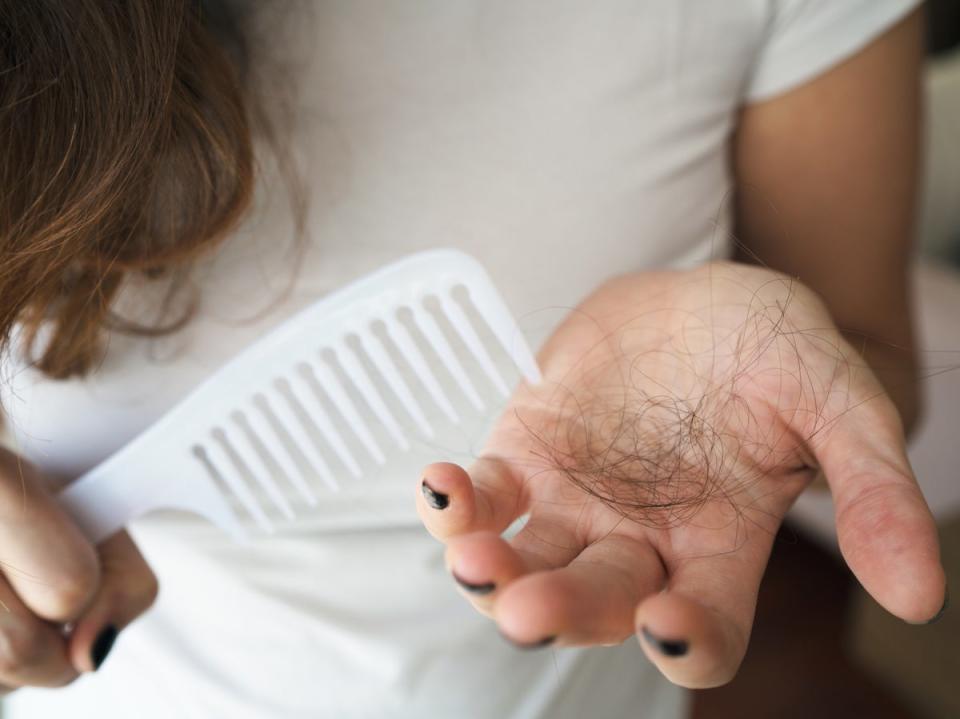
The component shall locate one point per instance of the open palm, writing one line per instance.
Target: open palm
(680, 416)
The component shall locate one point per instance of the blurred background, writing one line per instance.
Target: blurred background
(821, 647)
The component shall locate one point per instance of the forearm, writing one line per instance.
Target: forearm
(827, 179)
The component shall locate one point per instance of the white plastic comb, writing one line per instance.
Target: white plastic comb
(231, 428)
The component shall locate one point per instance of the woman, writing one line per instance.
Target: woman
(562, 145)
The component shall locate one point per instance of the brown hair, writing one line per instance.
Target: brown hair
(126, 148)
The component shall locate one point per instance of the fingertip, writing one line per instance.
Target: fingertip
(922, 604)
(573, 605)
(452, 501)
(445, 476)
(943, 607)
(671, 648)
(531, 610)
(90, 645)
(441, 482)
(691, 645)
(482, 563)
(102, 645)
(889, 540)
(435, 499)
(88, 653)
(445, 500)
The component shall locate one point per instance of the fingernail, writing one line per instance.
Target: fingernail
(437, 500)
(943, 609)
(483, 588)
(667, 647)
(102, 645)
(545, 642)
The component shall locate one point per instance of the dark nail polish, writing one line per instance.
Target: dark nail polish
(102, 645)
(483, 588)
(943, 609)
(545, 642)
(667, 647)
(437, 500)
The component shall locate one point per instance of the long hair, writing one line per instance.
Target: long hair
(125, 147)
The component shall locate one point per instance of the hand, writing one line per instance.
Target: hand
(680, 416)
(52, 576)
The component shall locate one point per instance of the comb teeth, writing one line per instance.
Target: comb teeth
(364, 384)
(305, 392)
(347, 409)
(400, 336)
(259, 437)
(431, 330)
(276, 434)
(260, 427)
(218, 459)
(390, 372)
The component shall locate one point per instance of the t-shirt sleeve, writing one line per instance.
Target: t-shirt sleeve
(805, 38)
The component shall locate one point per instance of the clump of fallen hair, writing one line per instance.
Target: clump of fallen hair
(657, 454)
(654, 459)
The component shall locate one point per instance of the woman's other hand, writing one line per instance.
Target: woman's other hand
(680, 416)
(62, 600)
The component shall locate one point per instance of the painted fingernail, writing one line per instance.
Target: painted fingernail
(667, 647)
(943, 609)
(102, 645)
(545, 642)
(483, 588)
(437, 500)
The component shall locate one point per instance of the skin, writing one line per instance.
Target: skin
(579, 570)
(53, 576)
(823, 376)
(829, 197)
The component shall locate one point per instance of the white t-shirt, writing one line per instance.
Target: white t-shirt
(560, 143)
